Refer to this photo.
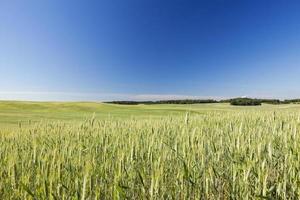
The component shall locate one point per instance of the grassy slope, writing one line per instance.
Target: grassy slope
(13, 112)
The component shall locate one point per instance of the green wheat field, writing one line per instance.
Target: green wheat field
(86, 150)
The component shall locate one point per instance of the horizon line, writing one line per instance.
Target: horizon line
(102, 97)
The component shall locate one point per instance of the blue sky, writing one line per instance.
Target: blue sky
(149, 49)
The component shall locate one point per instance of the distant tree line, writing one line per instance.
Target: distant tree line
(292, 101)
(251, 101)
(184, 101)
(245, 102)
(234, 101)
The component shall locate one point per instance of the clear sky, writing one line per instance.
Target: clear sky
(149, 49)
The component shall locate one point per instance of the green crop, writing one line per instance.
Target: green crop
(245, 154)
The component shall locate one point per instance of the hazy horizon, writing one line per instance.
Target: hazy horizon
(101, 97)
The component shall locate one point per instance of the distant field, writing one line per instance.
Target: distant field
(13, 112)
(103, 151)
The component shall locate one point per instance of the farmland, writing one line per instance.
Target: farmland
(85, 150)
